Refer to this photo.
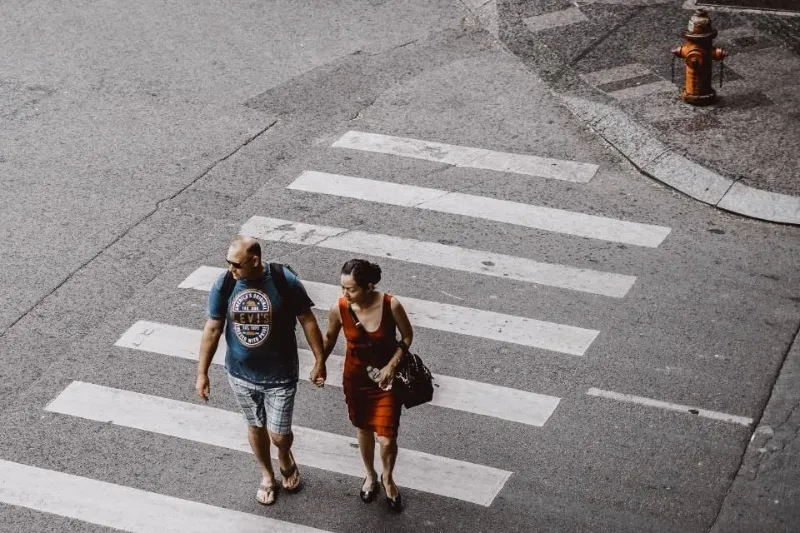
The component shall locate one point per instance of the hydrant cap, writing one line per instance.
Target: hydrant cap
(700, 23)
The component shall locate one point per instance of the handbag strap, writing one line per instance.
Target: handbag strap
(364, 333)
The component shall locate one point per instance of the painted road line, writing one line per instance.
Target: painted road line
(645, 89)
(611, 75)
(531, 216)
(124, 508)
(313, 448)
(454, 393)
(451, 318)
(440, 255)
(724, 417)
(555, 19)
(464, 156)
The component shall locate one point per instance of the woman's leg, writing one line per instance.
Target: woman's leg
(388, 458)
(366, 444)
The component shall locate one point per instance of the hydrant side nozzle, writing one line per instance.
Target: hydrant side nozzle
(719, 54)
(676, 51)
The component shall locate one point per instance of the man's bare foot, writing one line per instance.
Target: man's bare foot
(290, 475)
(267, 493)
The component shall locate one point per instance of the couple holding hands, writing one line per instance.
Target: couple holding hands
(257, 306)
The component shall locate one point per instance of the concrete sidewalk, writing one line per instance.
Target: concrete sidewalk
(610, 62)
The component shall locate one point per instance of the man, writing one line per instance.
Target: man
(257, 307)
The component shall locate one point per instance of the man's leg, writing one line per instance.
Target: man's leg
(280, 408)
(259, 442)
(251, 402)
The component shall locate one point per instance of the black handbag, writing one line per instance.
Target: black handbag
(413, 380)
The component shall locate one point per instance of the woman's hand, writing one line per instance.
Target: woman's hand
(386, 376)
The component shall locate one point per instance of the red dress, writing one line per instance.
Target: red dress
(369, 406)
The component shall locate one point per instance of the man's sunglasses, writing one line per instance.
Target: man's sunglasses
(236, 265)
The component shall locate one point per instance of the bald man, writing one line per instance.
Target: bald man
(260, 306)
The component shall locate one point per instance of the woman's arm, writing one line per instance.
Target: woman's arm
(406, 335)
(334, 327)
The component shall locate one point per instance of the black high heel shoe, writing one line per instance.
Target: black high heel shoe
(396, 503)
(368, 495)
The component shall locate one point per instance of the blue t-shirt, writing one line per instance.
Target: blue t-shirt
(260, 327)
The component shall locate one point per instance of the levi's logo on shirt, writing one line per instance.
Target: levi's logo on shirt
(251, 317)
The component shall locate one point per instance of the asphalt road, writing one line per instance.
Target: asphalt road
(137, 139)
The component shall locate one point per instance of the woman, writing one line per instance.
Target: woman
(373, 406)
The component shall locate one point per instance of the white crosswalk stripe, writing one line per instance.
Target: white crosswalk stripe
(544, 218)
(620, 73)
(440, 255)
(125, 508)
(463, 156)
(451, 318)
(555, 19)
(316, 449)
(645, 89)
(454, 393)
(705, 413)
(628, 72)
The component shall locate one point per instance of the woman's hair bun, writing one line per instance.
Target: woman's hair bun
(363, 271)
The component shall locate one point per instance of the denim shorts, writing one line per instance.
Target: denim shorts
(265, 406)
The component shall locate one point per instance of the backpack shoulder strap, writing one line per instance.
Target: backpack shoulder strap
(227, 286)
(279, 278)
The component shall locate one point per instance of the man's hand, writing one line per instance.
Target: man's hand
(318, 374)
(202, 387)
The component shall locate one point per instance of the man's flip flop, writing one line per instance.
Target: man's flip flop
(286, 474)
(266, 495)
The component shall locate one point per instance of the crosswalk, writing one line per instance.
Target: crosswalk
(138, 511)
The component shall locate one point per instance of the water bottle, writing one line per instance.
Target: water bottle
(375, 375)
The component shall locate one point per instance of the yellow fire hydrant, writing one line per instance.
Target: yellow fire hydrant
(699, 54)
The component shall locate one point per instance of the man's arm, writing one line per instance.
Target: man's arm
(314, 337)
(208, 347)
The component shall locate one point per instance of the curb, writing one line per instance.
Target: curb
(655, 159)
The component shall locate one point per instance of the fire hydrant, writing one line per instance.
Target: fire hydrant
(698, 53)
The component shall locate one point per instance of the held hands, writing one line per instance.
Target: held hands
(318, 374)
(202, 387)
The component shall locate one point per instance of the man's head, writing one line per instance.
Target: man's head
(244, 257)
